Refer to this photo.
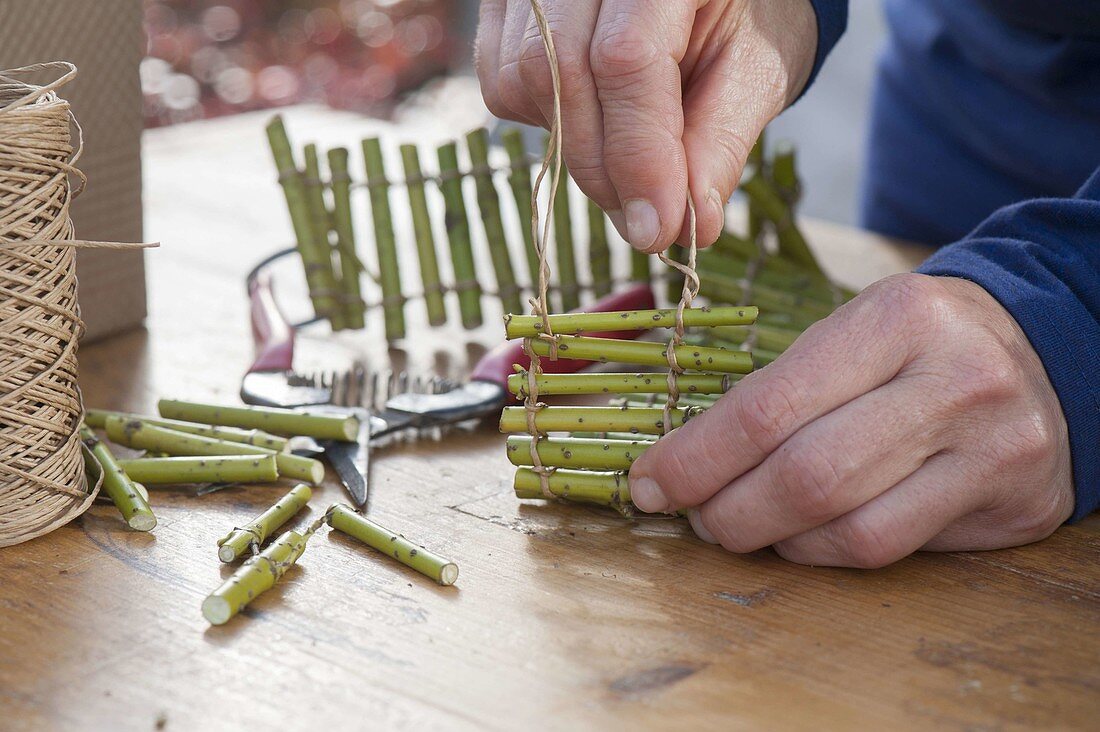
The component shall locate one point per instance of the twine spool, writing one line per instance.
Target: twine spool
(42, 479)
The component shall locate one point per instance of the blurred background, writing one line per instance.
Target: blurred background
(207, 58)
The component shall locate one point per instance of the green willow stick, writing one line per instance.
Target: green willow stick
(762, 358)
(320, 220)
(345, 520)
(675, 280)
(526, 326)
(425, 238)
(769, 338)
(350, 266)
(314, 253)
(603, 489)
(253, 534)
(577, 453)
(179, 470)
(773, 272)
(119, 486)
(639, 437)
(142, 435)
(389, 274)
(568, 287)
(288, 422)
(519, 178)
(605, 350)
(599, 256)
(731, 247)
(723, 288)
(488, 202)
(758, 166)
(254, 577)
(458, 237)
(639, 266)
(650, 383)
(595, 419)
(98, 418)
(791, 242)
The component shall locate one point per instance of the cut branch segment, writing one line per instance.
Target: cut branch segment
(120, 486)
(425, 238)
(321, 222)
(389, 274)
(568, 287)
(288, 422)
(98, 418)
(488, 202)
(552, 384)
(608, 350)
(603, 489)
(350, 266)
(594, 419)
(345, 520)
(526, 326)
(458, 236)
(253, 534)
(599, 255)
(519, 178)
(178, 470)
(255, 577)
(577, 453)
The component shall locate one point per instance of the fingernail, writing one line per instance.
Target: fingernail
(647, 495)
(696, 522)
(642, 223)
(619, 222)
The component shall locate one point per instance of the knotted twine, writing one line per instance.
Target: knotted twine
(42, 477)
(552, 162)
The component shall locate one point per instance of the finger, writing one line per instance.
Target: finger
(635, 55)
(828, 468)
(897, 523)
(490, 27)
(513, 92)
(858, 348)
(571, 25)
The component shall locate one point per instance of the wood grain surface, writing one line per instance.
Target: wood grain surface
(563, 617)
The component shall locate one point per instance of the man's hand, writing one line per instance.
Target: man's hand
(654, 93)
(917, 416)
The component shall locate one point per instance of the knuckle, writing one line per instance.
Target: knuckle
(870, 545)
(991, 378)
(765, 413)
(1027, 440)
(534, 69)
(915, 302)
(622, 53)
(812, 476)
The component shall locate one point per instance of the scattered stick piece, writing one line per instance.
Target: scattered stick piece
(252, 535)
(345, 520)
(97, 418)
(119, 486)
(289, 422)
(255, 577)
(180, 470)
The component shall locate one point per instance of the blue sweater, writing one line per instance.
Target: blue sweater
(986, 133)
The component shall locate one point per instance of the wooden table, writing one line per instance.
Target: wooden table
(563, 617)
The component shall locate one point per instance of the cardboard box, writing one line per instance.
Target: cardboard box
(104, 39)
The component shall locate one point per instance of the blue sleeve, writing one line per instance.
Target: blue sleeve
(832, 19)
(1041, 260)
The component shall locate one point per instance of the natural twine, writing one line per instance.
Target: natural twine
(42, 478)
(552, 162)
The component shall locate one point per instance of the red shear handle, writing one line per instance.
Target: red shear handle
(496, 365)
(272, 335)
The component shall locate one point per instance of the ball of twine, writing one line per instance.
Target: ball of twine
(42, 476)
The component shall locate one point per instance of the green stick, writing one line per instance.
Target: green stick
(577, 453)
(606, 350)
(593, 419)
(791, 242)
(526, 326)
(314, 253)
(458, 237)
(321, 222)
(350, 266)
(179, 470)
(519, 178)
(135, 433)
(393, 302)
(723, 288)
(254, 577)
(97, 418)
(773, 272)
(650, 383)
(675, 281)
(563, 242)
(639, 266)
(425, 238)
(279, 421)
(343, 519)
(649, 439)
(603, 489)
(255, 532)
(599, 256)
(757, 166)
(768, 338)
(488, 202)
(119, 486)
